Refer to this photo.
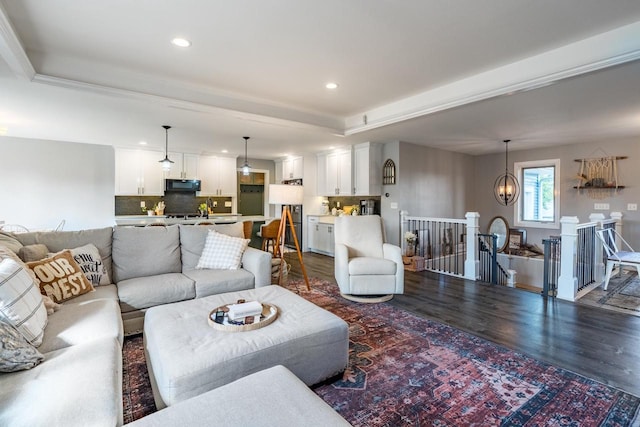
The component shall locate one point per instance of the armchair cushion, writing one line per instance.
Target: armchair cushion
(371, 266)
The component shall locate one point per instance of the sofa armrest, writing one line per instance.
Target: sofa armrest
(394, 253)
(341, 267)
(258, 263)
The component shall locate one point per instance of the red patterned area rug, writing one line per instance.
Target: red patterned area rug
(408, 371)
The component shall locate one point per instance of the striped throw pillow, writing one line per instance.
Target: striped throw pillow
(21, 304)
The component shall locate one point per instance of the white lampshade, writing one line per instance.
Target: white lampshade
(281, 194)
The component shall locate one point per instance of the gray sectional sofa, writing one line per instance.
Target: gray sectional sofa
(80, 381)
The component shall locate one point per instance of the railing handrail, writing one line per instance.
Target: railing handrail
(425, 218)
(586, 225)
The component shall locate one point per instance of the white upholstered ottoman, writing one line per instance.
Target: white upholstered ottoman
(187, 357)
(270, 398)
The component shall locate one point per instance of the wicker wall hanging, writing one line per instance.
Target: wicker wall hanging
(598, 176)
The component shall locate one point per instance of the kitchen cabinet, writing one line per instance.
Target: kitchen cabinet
(338, 174)
(289, 168)
(254, 178)
(185, 166)
(218, 176)
(138, 172)
(367, 169)
(320, 236)
(292, 168)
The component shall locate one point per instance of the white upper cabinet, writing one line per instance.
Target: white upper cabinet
(338, 173)
(292, 168)
(138, 172)
(185, 166)
(289, 168)
(218, 176)
(367, 169)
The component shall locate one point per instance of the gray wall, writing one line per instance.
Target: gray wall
(572, 202)
(44, 182)
(430, 182)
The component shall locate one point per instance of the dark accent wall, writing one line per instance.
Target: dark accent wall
(174, 203)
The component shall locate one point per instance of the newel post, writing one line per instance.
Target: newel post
(471, 262)
(597, 253)
(404, 225)
(567, 282)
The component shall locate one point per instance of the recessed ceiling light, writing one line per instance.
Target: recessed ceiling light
(331, 85)
(225, 151)
(180, 42)
(142, 142)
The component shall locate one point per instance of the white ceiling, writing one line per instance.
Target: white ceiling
(459, 75)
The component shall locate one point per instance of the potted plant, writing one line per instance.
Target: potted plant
(410, 238)
(204, 210)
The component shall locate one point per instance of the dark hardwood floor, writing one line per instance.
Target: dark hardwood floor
(597, 343)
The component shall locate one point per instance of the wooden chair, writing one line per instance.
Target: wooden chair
(269, 234)
(615, 256)
(247, 227)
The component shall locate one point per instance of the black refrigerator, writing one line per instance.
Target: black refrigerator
(296, 216)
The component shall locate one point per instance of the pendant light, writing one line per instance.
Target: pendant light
(506, 189)
(166, 162)
(246, 168)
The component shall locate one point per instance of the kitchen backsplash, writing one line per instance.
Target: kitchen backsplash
(174, 203)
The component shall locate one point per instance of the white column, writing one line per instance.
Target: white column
(597, 253)
(567, 282)
(471, 262)
(404, 226)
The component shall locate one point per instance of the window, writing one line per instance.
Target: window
(539, 202)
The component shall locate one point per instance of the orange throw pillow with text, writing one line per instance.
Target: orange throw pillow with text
(61, 278)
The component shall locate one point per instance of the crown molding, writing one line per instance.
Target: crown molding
(608, 49)
(11, 49)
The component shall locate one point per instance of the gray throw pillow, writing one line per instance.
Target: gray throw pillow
(16, 354)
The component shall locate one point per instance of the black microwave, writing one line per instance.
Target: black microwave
(184, 185)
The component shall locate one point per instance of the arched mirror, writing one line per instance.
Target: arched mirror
(500, 227)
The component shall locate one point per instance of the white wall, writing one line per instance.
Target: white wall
(429, 182)
(572, 202)
(44, 182)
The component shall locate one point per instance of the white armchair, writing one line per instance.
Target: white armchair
(366, 268)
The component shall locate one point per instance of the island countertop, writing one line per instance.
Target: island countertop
(143, 220)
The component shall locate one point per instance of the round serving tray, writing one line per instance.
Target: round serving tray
(269, 314)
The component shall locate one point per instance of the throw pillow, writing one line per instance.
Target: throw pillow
(16, 354)
(20, 302)
(7, 240)
(34, 252)
(61, 277)
(222, 251)
(90, 262)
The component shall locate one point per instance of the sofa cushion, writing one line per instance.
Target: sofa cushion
(212, 282)
(145, 251)
(60, 277)
(35, 252)
(222, 251)
(20, 301)
(16, 354)
(144, 292)
(81, 322)
(79, 385)
(57, 241)
(371, 266)
(192, 239)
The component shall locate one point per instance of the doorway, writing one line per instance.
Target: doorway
(251, 193)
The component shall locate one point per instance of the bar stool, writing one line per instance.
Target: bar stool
(269, 233)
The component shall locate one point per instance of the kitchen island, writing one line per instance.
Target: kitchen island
(144, 220)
